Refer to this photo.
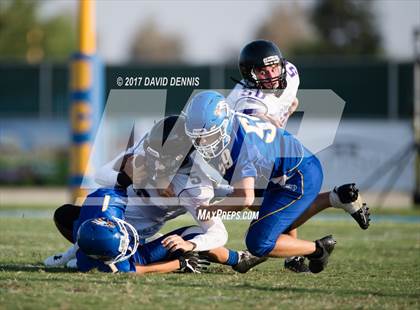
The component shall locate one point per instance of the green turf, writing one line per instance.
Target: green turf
(378, 269)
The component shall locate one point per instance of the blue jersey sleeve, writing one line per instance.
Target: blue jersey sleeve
(245, 163)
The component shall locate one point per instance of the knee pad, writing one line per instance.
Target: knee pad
(258, 246)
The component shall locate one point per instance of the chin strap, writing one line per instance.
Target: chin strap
(113, 268)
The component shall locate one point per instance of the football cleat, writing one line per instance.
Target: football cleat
(61, 259)
(318, 263)
(362, 216)
(347, 193)
(247, 261)
(57, 260)
(347, 197)
(296, 264)
(72, 264)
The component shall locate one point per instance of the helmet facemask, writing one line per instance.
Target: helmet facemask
(166, 147)
(258, 54)
(127, 247)
(215, 140)
(262, 83)
(162, 165)
(219, 140)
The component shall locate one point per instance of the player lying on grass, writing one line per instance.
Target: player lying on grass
(268, 90)
(108, 243)
(251, 153)
(145, 210)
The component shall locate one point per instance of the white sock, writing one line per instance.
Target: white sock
(289, 259)
(72, 264)
(71, 252)
(348, 207)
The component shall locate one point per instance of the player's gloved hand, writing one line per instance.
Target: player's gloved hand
(192, 262)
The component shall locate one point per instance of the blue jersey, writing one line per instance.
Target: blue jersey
(112, 203)
(259, 149)
(102, 203)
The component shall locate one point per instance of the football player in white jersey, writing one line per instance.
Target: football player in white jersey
(149, 207)
(269, 85)
(268, 90)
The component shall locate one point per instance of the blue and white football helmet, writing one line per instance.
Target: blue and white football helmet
(207, 123)
(110, 240)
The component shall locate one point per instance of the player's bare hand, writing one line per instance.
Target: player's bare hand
(275, 121)
(128, 167)
(293, 106)
(167, 192)
(175, 242)
(139, 170)
(135, 169)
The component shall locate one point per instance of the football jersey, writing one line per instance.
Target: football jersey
(259, 149)
(258, 101)
(147, 211)
(107, 203)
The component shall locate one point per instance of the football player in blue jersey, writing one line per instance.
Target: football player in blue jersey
(117, 178)
(251, 153)
(105, 241)
(268, 91)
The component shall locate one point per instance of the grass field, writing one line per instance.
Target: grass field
(378, 268)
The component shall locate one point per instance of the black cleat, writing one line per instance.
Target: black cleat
(350, 201)
(247, 261)
(347, 193)
(362, 216)
(296, 264)
(326, 244)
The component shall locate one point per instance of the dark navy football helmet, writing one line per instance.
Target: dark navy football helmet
(259, 54)
(166, 146)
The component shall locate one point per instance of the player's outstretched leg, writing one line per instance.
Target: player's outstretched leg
(295, 263)
(319, 259)
(247, 261)
(240, 261)
(347, 197)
